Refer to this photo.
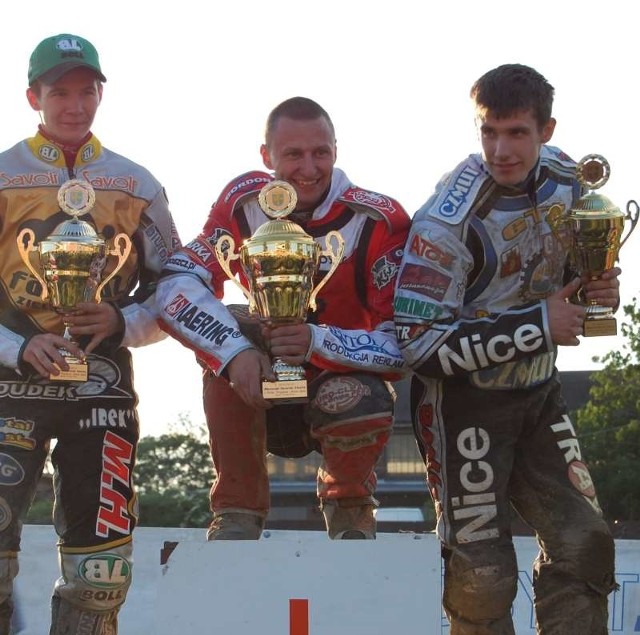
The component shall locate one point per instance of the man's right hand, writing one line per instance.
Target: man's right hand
(246, 372)
(565, 319)
(43, 353)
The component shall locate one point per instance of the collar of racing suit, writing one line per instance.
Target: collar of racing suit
(60, 155)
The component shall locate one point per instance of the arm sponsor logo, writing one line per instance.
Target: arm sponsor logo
(425, 281)
(364, 342)
(424, 248)
(473, 353)
(247, 182)
(371, 199)
(202, 250)
(182, 310)
(383, 272)
(417, 308)
(457, 193)
(182, 263)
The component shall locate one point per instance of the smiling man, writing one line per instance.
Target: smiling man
(348, 345)
(481, 307)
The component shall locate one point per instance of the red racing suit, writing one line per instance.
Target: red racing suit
(487, 410)
(349, 414)
(95, 422)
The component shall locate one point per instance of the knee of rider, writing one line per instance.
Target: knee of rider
(96, 581)
(8, 571)
(481, 590)
(591, 550)
(349, 405)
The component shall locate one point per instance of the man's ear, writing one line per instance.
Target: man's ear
(266, 159)
(547, 130)
(33, 100)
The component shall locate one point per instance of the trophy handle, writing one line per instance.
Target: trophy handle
(633, 211)
(335, 256)
(557, 221)
(224, 258)
(24, 254)
(122, 249)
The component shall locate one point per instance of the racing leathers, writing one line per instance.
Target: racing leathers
(94, 422)
(353, 352)
(488, 415)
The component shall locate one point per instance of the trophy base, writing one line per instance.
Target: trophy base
(595, 327)
(78, 371)
(281, 392)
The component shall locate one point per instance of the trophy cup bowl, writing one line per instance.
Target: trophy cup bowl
(71, 261)
(280, 261)
(592, 232)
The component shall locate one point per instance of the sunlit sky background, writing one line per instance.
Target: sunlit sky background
(189, 90)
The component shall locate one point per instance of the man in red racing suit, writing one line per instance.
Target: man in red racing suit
(95, 421)
(481, 306)
(348, 345)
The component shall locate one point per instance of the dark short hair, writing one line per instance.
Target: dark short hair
(299, 108)
(511, 88)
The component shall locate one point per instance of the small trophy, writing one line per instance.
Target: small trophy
(592, 234)
(72, 259)
(280, 262)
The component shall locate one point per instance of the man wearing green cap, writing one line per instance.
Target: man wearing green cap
(94, 421)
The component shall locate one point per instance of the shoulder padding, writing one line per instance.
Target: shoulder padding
(377, 206)
(247, 184)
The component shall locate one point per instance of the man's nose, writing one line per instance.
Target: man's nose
(502, 146)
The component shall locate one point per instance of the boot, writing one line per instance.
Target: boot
(235, 526)
(67, 619)
(350, 518)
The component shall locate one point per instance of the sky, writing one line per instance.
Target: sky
(190, 85)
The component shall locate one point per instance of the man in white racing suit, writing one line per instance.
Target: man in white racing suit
(481, 305)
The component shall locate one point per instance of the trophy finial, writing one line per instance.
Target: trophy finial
(593, 171)
(76, 197)
(278, 199)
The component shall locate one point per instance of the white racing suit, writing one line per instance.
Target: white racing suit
(94, 422)
(487, 411)
(349, 414)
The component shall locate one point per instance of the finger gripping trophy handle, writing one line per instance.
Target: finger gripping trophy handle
(335, 255)
(121, 249)
(24, 251)
(226, 256)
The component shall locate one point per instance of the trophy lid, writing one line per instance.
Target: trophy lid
(74, 230)
(593, 171)
(280, 229)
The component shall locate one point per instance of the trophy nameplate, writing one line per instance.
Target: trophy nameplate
(71, 263)
(279, 262)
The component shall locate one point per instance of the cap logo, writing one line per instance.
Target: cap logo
(68, 45)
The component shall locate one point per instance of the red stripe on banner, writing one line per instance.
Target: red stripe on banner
(298, 617)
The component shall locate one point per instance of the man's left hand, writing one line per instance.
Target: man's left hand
(97, 320)
(290, 343)
(605, 291)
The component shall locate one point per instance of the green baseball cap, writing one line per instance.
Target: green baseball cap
(59, 54)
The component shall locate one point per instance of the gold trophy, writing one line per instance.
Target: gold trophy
(592, 233)
(280, 262)
(72, 259)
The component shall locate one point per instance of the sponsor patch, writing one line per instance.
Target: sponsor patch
(105, 571)
(451, 208)
(581, 479)
(416, 308)
(424, 248)
(425, 281)
(340, 394)
(371, 199)
(510, 262)
(11, 472)
(17, 433)
(5, 514)
(383, 272)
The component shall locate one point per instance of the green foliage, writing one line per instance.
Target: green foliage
(609, 426)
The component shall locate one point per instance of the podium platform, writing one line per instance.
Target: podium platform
(291, 581)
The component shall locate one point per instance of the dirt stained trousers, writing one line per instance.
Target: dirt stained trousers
(96, 428)
(486, 451)
(348, 419)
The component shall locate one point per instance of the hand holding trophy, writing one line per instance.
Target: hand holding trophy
(280, 262)
(72, 260)
(592, 234)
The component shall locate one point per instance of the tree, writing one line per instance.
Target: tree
(609, 425)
